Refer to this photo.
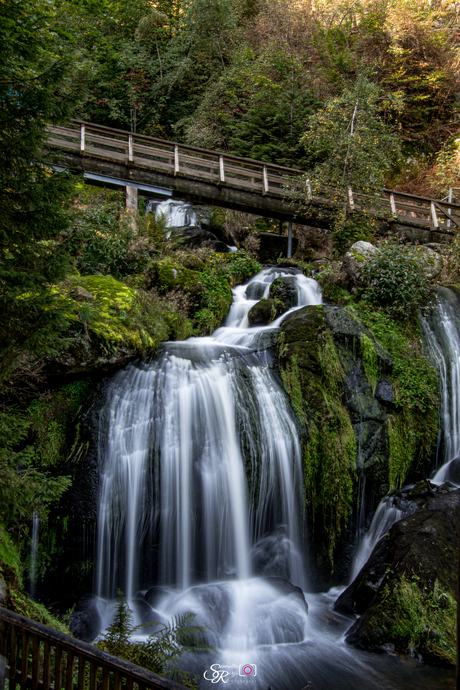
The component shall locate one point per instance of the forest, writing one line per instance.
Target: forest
(352, 94)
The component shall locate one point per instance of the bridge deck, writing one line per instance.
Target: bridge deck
(228, 180)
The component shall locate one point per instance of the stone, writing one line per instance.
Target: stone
(86, 622)
(80, 293)
(318, 264)
(193, 236)
(284, 290)
(264, 312)
(354, 258)
(431, 263)
(3, 594)
(423, 547)
(362, 250)
(151, 621)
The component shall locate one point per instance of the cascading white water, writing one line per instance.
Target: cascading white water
(177, 213)
(201, 497)
(34, 554)
(443, 338)
(171, 444)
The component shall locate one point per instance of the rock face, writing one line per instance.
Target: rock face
(364, 414)
(193, 236)
(264, 312)
(285, 291)
(411, 572)
(273, 246)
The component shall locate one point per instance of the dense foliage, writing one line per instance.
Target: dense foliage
(393, 278)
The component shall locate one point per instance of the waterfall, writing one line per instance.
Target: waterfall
(177, 213)
(201, 462)
(442, 334)
(34, 554)
(441, 330)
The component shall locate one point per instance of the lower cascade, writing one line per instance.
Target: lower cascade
(201, 510)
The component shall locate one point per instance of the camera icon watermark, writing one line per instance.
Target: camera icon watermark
(248, 670)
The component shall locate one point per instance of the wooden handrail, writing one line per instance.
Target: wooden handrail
(96, 670)
(246, 174)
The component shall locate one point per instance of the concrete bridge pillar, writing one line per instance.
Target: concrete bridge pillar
(131, 204)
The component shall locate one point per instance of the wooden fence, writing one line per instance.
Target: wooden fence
(39, 658)
(257, 177)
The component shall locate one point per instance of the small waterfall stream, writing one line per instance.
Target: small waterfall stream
(442, 335)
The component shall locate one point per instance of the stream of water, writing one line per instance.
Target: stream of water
(201, 510)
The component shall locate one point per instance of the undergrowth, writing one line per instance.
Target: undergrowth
(159, 652)
(423, 619)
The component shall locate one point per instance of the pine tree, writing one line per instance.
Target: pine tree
(35, 91)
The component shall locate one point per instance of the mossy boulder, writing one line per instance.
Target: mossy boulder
(264, 312)
(284, 290)
(172, 276)
(405, 594)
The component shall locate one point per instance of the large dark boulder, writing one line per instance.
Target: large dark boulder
(284, 290)
(273, 246)
(193, 236)
(411, 572)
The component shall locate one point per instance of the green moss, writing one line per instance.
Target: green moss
(411, 435)
(370, 361)
(422, 618)
(313, 377)
(172, 276)
(413, 428)
(9, 554)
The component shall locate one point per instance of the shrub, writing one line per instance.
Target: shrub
(393, 279)
(161, 651)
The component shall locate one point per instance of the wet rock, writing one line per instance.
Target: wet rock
(270, 556)
(287, 589)
(193, 236)
(255, 289)
(153, 595)
(423, 548)
(3, 594)
(152, 621)
(86, 622)
(264, 312)
(284, 290)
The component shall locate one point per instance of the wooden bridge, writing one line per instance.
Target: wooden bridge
(228, 181)
(39, 658)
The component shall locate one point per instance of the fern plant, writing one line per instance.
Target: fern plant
(161, 651)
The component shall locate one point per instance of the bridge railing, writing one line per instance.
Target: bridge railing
(39, 658)
(243, 173)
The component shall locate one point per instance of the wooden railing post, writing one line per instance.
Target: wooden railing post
(350, 199)
(393, 205)
(82, 139)
(221, 170)
(433, 216)
(130, 149)
(176, 160)
(265, 181)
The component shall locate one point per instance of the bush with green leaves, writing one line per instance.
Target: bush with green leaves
(394, 280)
(160, 651)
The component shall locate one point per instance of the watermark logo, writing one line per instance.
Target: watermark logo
(218, 673)
(248, 670)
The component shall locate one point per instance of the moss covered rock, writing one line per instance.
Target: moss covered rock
(284, 290)
(264, 312)
(405, 594)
